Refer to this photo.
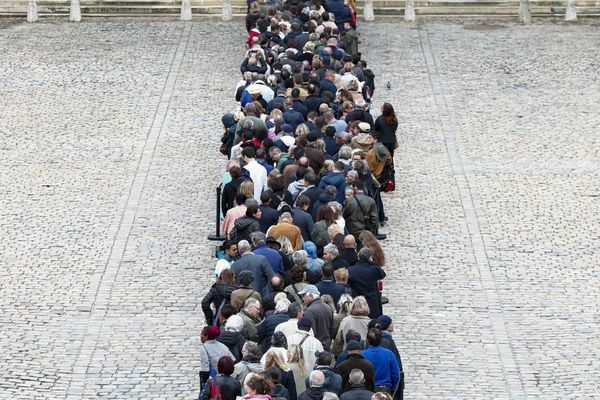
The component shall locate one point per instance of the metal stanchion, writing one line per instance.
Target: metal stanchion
(217, 235)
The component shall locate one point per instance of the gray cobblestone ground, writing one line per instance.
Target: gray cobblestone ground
(108, 156)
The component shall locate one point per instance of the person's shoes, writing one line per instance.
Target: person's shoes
(381, 236)
(383, 223)
(384, 300)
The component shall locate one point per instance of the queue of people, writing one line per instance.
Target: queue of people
(296, 310)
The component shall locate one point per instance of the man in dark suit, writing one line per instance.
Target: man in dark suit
(311, 191)
(302, 219)
(363, 279)
(257, 264)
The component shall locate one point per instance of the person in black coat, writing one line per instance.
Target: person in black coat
(312, 191)
(266, 328)
(218, 295)
(356, 361)
(279, 390)
(357, 391)
(269, 216)
(228, 387)
(302, 219)
(230, 189)
(316, 389)
(327, 285)
(363, 279)
(232, 337)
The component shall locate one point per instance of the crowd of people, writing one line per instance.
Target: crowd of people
(296, 310)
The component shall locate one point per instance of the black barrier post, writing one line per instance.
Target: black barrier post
(217, 235)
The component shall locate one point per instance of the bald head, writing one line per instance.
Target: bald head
(349, 242)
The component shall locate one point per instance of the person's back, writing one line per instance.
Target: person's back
(387, 371)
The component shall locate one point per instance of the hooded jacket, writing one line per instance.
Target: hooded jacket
(243, 227)
(335, 179)
(323, 198)
(312, 393)
(234, 342)
(244, 367)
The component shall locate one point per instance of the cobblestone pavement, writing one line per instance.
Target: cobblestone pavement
(109, 161)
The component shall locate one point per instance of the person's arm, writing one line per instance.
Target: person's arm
(206, 302)
(206, 389)
(394, 372)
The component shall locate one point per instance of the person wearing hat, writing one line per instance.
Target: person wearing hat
(210, 352)
(384, 322)
(309, 344)
(319, 313)
(286, 138)
(354, 361)
(285, 228)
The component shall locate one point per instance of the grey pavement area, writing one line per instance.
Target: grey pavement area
(109, 157)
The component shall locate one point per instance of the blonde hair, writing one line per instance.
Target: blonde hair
(296, 355)
(275, 356)
(359, 307)
(341, 275)
(334, 229)
(345, 302)
(286, 245)
(247, 188)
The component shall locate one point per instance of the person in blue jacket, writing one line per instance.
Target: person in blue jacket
(387, 371)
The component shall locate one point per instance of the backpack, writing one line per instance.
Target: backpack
(215, 391)
(283, 204)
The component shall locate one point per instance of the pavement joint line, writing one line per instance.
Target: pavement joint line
(512, 375)
(104, 288)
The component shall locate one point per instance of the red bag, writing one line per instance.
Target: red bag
(215, 391)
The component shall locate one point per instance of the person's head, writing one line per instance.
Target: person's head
(230, 248)
(227, 276)
(246, 188)
(274, 357)
(327, 271)
(309, 293)
(345, 303)
(297, 274)
(244, 247)
(286, 217)
(257, 238)
(328, 300)
(273, 374)
(256, 384)
(234, 323)
(225, 365)
(300, 257)
(381, 396)
(235, 171)
(334, 229)
(303, 202)
(365, 254)
(253, 211)
(226, 312)
(316, 379)
(286, 245)
(341, 276)
(246, 277)
(385, 323)
(330, 396)
(359, 307)
(353, 346)
(277, 283)
(240, 199)
(252, 307)
(357, 377)
(209, 333)
(330, 251)
(279, 340)
(248, 154)
(374, 337)
(388, 113)
(250, 349)
(295, 310)
(369, 240)
(324, 358)
(282, 306)
(310, 179)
